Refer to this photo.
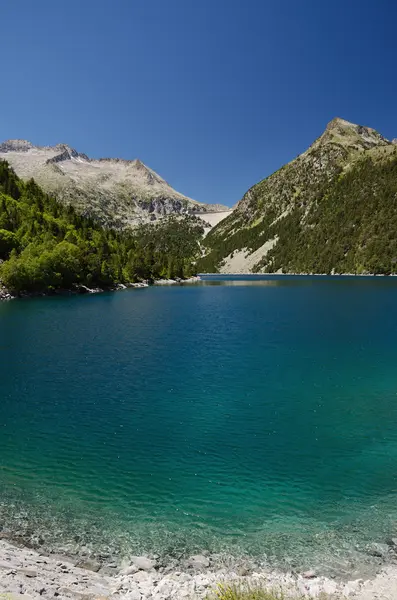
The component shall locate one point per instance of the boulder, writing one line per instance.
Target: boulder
(243, 571)
(199, 561)
(125, 563)
(378, 550)
(309, 574)
(108, 571)
(89, 565)
(130, 570)
(143, 563)
(28, 572)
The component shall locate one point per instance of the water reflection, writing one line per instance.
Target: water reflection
(242, 282)
(293, 280)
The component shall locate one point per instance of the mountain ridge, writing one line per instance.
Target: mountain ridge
(116, 192)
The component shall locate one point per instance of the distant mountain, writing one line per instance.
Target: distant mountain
(332, 209)
(116, 192)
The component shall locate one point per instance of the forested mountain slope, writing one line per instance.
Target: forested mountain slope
(45, 245)
(332, 209)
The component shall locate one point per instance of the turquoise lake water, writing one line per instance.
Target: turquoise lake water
(239, 417)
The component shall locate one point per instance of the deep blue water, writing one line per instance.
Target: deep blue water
(251, 417)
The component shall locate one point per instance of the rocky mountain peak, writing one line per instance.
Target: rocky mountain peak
(16, 146)
(117, 192)
(66, 148)
(323, 212)
(348, 134)
(139, 164)
(66, 152)
(338, 123)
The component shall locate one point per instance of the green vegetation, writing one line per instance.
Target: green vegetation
(234, 236)
(244, 592)
(45, 245)
(332, 210)
(351, 229)
(293, 187)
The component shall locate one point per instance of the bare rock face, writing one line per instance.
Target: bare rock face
(352, 135)
(117, 192)
(15, 146)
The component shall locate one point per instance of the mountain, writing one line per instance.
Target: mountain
(116, 192)
(46, 246)
(333, 209)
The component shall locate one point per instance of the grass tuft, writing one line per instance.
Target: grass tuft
(245, 592)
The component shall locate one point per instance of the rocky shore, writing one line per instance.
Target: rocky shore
(176, 281)
(27, 574)
(83, 289)
(4, 293)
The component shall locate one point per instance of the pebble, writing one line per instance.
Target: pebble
(54, 579)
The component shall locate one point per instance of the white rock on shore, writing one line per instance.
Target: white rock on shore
(26, 574)
(4, 293)
(192, 279)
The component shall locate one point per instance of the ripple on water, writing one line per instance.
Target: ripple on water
(241, 420)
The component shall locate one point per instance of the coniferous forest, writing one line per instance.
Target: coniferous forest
(45, 245)
(348, 224)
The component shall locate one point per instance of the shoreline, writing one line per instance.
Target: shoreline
(82, 290)
(27, 573)
(297, 274)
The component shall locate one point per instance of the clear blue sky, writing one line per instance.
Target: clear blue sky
(212, 94)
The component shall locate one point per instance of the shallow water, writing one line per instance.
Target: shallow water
(241, 417)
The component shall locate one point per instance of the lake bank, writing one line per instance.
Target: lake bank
(83, 289)
(36, 575)
(200, 278)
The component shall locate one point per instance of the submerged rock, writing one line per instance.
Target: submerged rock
(378, 550)
(199, 561)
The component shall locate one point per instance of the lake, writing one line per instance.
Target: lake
(238, 417)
